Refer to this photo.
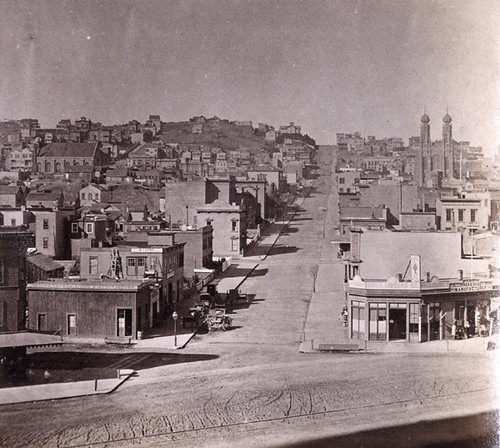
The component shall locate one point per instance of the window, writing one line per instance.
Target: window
(136, 266)
(342, 181)
(3, 315)
(71, 324)
(449, 213)
(89, 227)
(414, 317)
(93, 265)
(181, 260)
(45, 243)
(461, 214)
(473, 212)
(45, 224)
(83, 196)
(13, 222)
(358, 319)
(378, 321)
(42, 322)
(74, 227)
(234, 245)
(234, 226)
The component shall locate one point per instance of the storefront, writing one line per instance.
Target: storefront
(420, 311)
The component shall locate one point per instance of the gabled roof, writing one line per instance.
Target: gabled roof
(69, 149)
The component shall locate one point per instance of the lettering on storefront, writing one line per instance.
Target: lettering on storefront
(470, 285)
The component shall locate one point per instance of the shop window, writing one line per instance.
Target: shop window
(358, 319)
(378, 321)
(71, 324)
(414, 317)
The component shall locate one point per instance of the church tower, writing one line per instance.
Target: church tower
(448, 147)
(423, 169)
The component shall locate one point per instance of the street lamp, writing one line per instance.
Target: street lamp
(175, 316)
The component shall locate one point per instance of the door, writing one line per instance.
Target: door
(397, 324)
(42, 322)
(124, 322)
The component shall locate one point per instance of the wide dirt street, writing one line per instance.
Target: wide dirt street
(258, 390)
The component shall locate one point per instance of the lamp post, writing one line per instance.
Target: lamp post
(175, 316)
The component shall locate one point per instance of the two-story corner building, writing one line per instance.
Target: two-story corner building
(198, 249)
(418, 308)
(229, 227)
(90, 229)
(348, 181)
(52, 232)
(93, 193)
(462, 214)
(55, 157)
(163, 264)
(101, 310)
(13, 247)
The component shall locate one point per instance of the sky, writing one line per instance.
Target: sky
(330, 66)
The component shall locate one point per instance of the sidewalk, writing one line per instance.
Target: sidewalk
(160, 338)
(58, 391)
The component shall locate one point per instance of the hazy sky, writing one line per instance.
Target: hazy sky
(330, 66)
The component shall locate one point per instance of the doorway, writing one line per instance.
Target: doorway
(124, 322)
(397, 324)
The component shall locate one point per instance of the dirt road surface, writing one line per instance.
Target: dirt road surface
(258, 390)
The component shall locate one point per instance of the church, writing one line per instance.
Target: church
(434, 161)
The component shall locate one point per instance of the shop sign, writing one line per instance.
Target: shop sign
(470, 285)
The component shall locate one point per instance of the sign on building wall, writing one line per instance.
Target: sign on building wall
(415, 268)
